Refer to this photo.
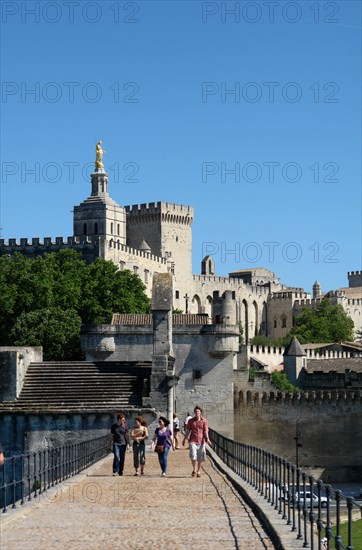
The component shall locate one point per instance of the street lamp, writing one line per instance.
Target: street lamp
(298, 435)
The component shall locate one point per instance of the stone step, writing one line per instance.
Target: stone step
(78, 386)
(96, 366)
(93, 380)
(93, 376)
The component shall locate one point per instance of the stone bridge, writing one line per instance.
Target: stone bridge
(94, 510)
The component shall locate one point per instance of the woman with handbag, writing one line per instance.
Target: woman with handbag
(164, 442)
(139, 434)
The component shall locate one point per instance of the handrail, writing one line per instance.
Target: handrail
(28, 475)
(284, 486)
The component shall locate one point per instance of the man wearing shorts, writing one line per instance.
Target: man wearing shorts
(197, 433)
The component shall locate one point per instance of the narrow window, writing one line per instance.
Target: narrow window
(177, 294)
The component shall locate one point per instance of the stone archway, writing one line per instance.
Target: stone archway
(195, 305)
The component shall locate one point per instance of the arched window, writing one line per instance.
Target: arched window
(112, 228)
(118, 229)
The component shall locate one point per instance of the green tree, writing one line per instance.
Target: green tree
(108, 290)
(260, 340)
(56, 330)
(326, 322)
(44, 301)
(280, 381)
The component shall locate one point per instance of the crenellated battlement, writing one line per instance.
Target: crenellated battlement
(297, 293)
(136, 252)
(337, 396)
(336, 294)
(354, 279)
(272, 352)
(308, 302)
(165, 211)
(267, 350)
(12, 245)
(227, 282)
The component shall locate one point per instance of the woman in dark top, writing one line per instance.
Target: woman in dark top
(163, 436)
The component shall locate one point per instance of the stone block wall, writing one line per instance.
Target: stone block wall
(330, 424)
(14, 362)
(21, 432)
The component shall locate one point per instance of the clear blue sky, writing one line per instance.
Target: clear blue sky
(153, 80)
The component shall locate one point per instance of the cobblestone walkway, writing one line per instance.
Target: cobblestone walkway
(96, 511)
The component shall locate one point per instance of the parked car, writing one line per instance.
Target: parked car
(310, 499)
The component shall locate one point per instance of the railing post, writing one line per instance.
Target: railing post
(328, 519)
(319, 518)
(299, 535)
(349, 508)
(289, 493)
(4, 490)
(284, 463)
(305, 511)
(338, 537)
(280, 485)
(311, 514)
(13, 481)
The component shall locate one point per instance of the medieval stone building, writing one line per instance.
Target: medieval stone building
(157, 238)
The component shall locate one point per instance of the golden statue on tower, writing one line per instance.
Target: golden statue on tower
(99, 156)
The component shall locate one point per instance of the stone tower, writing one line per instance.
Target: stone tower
(223, 308)
(355, 279)
(317, 291)
(294, 361)
(166, 228)
(99, 214)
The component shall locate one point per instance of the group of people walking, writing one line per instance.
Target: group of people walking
(120, 443)
(164, 439)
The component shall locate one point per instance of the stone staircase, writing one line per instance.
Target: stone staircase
(83, 387)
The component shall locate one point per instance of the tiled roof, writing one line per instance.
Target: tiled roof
(131, 319)
(353, 364)
(146, 319)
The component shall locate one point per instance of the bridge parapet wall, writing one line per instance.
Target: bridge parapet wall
(329, 423)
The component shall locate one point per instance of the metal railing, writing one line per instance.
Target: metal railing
(28, 475)
(316, 518)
